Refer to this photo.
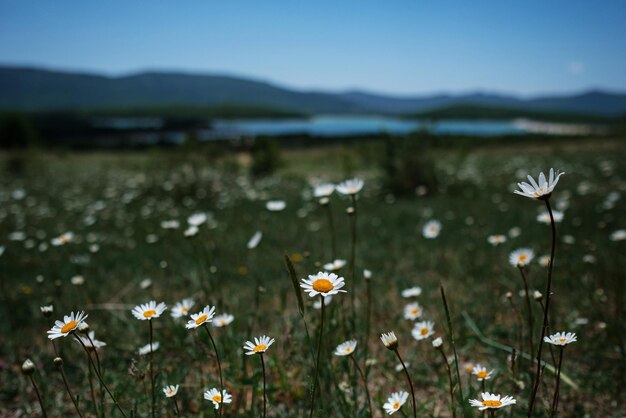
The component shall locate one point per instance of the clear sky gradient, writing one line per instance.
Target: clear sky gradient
(402, 47)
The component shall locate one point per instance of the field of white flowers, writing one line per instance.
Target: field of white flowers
(170, 284)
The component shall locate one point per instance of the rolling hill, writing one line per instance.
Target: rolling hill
(32, 89)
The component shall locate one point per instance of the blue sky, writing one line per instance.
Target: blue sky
(392, 46)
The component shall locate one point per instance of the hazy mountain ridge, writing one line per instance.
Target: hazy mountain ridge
(32, 89)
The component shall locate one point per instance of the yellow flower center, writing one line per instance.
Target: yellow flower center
(348, 349)
(260, 348)
(184, 309)
(149, 313)
(424, 331)
(414, 311)
(69, 326)
(482, 374)
(396, 405)
(323, 285)
(433, 229)
(201, 319)
(217, 398)
(562, 339)
(536, 194)
(523, 257)
(492, 403)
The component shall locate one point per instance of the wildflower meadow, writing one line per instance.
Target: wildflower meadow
(177, 283)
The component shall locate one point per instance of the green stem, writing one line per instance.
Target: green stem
(545, 314)
(219, 367)
(176, 406)
(452, 342)
(43, 408)
(69, 391)
(264, 390)
(153, 400)
(451, 389)
(408, 378)
(102, 380)
(91, 388)
(317, 361)
(331, 226)
(531, 345)
(367, 391)
(555, 400)
(352, 260)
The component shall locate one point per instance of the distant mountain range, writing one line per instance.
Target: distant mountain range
(32, 89)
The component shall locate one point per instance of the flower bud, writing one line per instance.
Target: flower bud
(437, 342)
(28, 367)
(58, 362)
(537, 295)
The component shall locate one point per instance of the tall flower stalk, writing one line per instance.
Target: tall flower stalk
(560, 339)
(438, 345)
(58, 362)
(260, 346)
(28, 368)
(322, 284)
(542, 191)
(529, 311)
(148, 312)
(391, 342)
(203, 319)
(317, 359)
(347, 349)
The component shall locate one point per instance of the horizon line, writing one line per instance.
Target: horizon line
(285, 86)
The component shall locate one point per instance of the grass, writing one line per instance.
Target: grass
(115, 203)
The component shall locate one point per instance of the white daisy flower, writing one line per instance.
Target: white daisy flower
(389, 340)
(182, 308)
(346, 348)
(335, 265)
(412, 292)
(431, 229)
(481, 373)
(423, 330)
(90, 341)
(496, 239)
(203, 317)
(197, 219)
(149, 310)
(147, 349)
(47, 309)
(70, 323)
(172, 224)
(544, 260)
(191, 231)
(214, 396)
(395, 402)
(222, 320)
(491, 400)
(544, 217)
(322, 283)
(324, 190)
(260, 345)
(254, 240)
(350, 186)
(521, 257)
(561, 338)
(170, 391)
(437, 342)
(619, 235)
(541, 191)
(412, 311)
(317, 304)
(63, 239)
(275, 205)
(367, 274)
(77, 280)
